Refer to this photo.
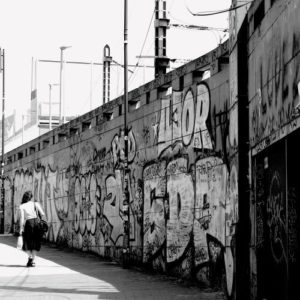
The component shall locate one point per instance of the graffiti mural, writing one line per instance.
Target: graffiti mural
(191, 202)
(182, 186)
(274, 82)
(181, 205)
(154, 210)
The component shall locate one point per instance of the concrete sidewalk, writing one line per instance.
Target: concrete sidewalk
(62, 274)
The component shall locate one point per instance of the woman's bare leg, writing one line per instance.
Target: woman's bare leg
(33, 255)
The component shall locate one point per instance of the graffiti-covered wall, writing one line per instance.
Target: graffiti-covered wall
(183, 181)
(274, 94)
(274, 73)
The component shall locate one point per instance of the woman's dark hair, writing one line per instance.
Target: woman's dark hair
(26, 197)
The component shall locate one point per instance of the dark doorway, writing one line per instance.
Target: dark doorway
(271, 223)
(277, 206)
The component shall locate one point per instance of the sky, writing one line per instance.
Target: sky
(35, 29)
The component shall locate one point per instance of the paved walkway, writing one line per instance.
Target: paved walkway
(65, 274)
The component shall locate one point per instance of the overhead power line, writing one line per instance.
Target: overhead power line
(94, 63)
(197, 27)
(142, 49)
(216, 12)
(182, 60)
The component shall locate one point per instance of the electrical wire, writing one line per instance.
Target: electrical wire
(142, 49)
(184, 23)
(216, 12)
(94, 86)
(174, 18)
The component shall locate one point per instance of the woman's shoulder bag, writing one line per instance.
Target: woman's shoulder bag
(42, 224)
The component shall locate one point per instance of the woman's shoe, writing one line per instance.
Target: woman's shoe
(30, 262)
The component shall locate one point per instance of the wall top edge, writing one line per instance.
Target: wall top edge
(199, 63)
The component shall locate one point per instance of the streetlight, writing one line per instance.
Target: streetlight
(61, 100)
(50, 103)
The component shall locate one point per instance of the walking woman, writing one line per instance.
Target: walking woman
(28, 227)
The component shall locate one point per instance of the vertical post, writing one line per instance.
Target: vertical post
(243, 233)
(108, 80)
(106, 73)
(126, 207)
(32, 62)
(91, 86)
(35, 74)
(161, 24)
(3, 136)
(50, 107)
(33, 96)
(104, 79)
(22, 129)
(60, 85)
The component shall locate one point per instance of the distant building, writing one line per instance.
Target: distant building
(35, 122)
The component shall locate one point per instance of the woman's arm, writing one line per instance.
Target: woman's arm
(40, 210)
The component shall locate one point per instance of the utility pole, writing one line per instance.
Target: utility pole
(61, 88)
(33, 94)
(91, 86)
(126, 206)
(161, 24)
(2, 216)
(107, 59)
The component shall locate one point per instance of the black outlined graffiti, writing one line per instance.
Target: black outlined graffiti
(276, 219)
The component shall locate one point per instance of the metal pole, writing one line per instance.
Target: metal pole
(104, 81)
(31, 74)
(107, 59)
(126, 206)
(161, 24)
(22, 129)
(64, 94)
(36, 95)
(60, 85)
(91, 86)
(3, 129)
(50, 107)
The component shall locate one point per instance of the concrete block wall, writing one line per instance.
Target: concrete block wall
(183, 176)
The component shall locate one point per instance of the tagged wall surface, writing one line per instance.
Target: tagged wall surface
(274, 95)
(183, 184)
(274, 77)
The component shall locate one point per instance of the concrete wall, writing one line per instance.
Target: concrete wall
(183, 175)
(274, 76)
(274, 99)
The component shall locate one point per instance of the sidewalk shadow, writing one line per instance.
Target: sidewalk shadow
(115, 281)
(12, 266)
(119, 279)
(78, 263)
(55, 290)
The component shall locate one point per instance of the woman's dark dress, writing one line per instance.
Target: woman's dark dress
(31, 237)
